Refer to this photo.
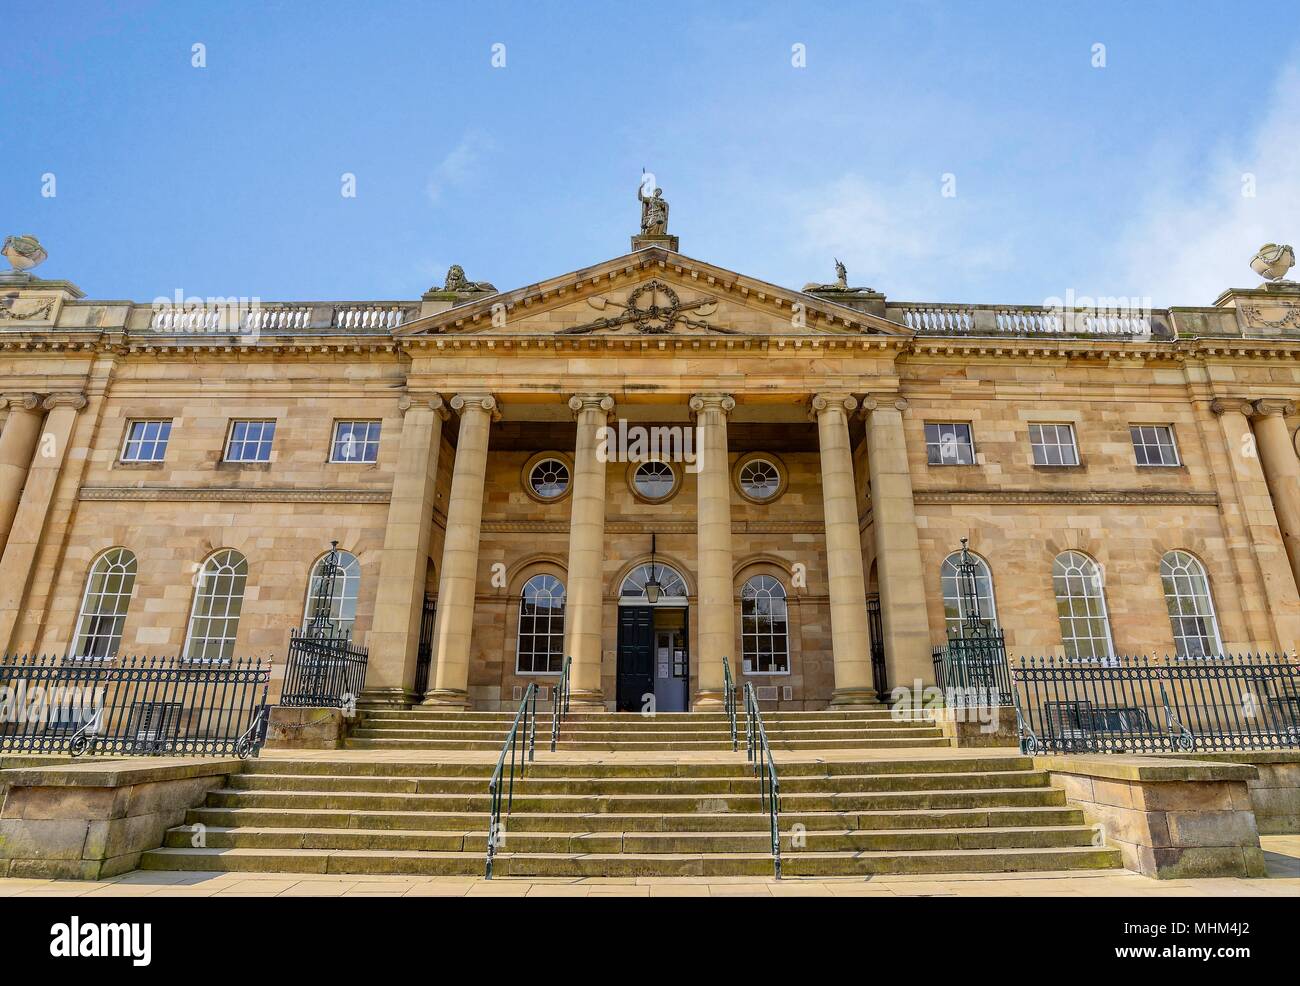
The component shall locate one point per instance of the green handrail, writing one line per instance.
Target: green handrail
(729, 702)
(525, 718)
(560, 702)
(759, 752)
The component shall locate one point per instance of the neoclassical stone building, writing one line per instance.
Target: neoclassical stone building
(171, 476)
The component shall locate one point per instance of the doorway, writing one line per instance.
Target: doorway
(653, 659)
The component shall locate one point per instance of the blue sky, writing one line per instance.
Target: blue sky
(225, 180)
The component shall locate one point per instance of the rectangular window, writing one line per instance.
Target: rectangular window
(146, 441)
(1053, 445)
(250, 441)
(1153, 445)
(949, 444)
(355, 441)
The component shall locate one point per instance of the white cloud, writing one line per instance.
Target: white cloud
(458, 166)
(1195, 235)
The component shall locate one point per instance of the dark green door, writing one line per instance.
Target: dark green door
(635, 656)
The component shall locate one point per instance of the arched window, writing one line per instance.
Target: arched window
(103, 605)
(955, 603)
(672, 587)
(1191, 611)
(1081, 607)
(343, 604)
(764, 628)
(218, 600)
(540, 648)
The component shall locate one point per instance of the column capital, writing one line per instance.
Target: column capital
(722, 402)
(1230, 405)
(1270, 406)
(20, 401)
(821, 403)
(72, 399)
(872, 402)
(477, 402)
(432, 402)
(595, 402)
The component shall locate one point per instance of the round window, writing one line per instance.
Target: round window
(549, 479)
(760, 479)
(654, 480)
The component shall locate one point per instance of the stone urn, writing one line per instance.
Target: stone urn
(1273, 261)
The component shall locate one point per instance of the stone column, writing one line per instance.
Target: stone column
(22, 430)
(1259, 514)
(33, 509)
(458, 580)
(850, 643)
(583, 595)
(399, 602)
(716, 597)
(898, 549)
(1277, 457)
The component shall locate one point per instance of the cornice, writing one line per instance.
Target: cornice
(652, 526)
(232, 495)
(1049, 497)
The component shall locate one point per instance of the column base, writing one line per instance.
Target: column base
(587, 700)
(386, 698)
(708, 701)
(451, 699)
(854, 698)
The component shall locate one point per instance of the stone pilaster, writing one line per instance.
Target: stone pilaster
(22, 429)
(898, 549)
(850, 643)
(457, 581)
(34, 507)
(583, 596)
(1258, 512)
(399, 602)
(716, 597)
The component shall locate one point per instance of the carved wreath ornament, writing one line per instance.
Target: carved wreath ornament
(654, 309)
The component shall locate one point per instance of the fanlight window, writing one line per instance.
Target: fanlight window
(549, 479)
(343, 602)
(1081, 607)
(540, 649)
(654, 479)
(218, 601)
(955, 601)
(764, 627)
(760, 479)
(104, 604)
(1191, 611)
(672, 585)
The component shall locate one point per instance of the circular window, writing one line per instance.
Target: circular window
(654, 481)
(548, 478)
(760, 479)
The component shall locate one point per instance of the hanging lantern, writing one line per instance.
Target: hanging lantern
(652, 586)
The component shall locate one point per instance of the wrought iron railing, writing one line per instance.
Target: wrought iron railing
(323, 672)
(729, 702)
(759, 752)
(879, 669)
(1140, 705)
(972, 671)
(424, 652)
(560, 702)
(521, 747)
(134, 706)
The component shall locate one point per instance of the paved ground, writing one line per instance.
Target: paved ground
(1283, 852)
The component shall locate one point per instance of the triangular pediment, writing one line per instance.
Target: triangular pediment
(651, 292)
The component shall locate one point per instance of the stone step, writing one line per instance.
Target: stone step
(723, 767)
(802, 863)
(576, 786)
(923, 741)
(666, 717)
(886, 731)
(675, 803)
(295, 818)
(659, 723)
(753, 841)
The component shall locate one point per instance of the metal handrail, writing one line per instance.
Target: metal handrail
(560, 702)
(729, 702)
(759, 752)
(513, 745)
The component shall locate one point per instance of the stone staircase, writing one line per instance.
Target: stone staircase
(421, 729)
(930, 812)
